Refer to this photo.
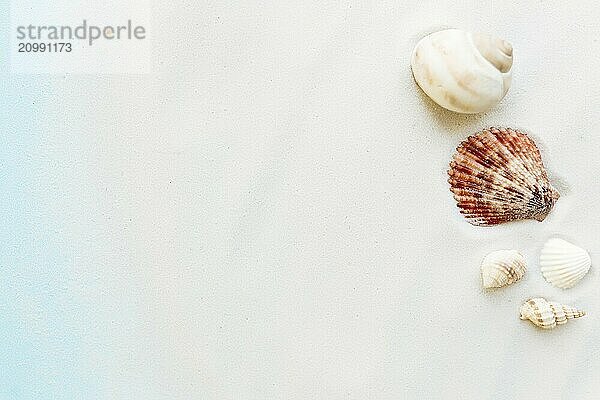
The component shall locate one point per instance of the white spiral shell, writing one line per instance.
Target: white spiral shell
(548, 314)
(563, 264)
(501, 268)
(462, 71)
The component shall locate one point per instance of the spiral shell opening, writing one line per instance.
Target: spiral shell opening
(498, 52)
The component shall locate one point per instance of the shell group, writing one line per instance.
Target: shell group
(498, 176)
(462, 71)
(547, 314)
(563, 264)
(501, 268)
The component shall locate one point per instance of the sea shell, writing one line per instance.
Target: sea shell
(501, 268)
(462, 71)
(498, 176)
(563, 264)
(548, 314)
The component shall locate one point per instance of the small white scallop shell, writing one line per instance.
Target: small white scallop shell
(563, 264)
(548, 314)
(462, 71)
(502, 267)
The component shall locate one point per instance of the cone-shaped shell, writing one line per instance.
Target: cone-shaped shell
(548, 314)
(463, 72)
(501, 268)
(498, 176)
(563, 264)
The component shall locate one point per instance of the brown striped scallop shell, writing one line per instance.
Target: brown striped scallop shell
(498, 176)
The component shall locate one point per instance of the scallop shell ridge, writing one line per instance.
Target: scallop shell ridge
(548, 314)
(497, 176)
(501, 268)
(563, 264)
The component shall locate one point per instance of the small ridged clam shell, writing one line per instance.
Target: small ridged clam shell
(501, 268)
(548, 314)
(563, 264)
(462, 71)
(498, 176)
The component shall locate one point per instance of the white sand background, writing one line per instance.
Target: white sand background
(267, 216)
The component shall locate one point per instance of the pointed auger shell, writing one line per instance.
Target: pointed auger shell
(548, 314)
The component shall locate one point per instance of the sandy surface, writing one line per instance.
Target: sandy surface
(267, 215)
